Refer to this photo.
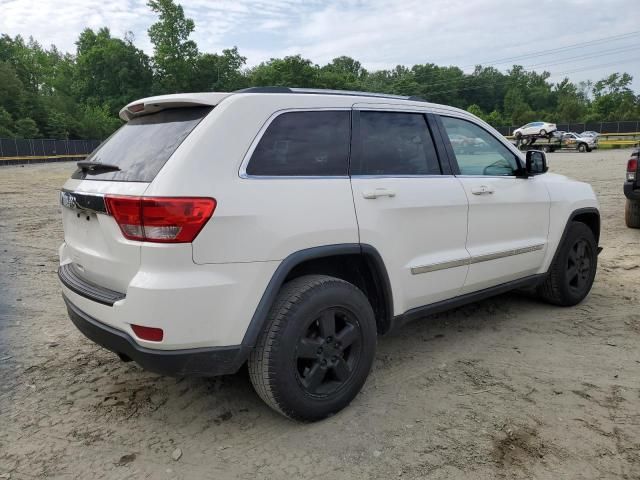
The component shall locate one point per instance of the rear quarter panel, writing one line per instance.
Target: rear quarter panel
(256, 219)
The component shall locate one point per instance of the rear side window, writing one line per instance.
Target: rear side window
(304, 144)
(142, 146)
(394, 143)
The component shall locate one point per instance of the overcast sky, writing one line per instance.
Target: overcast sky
(378, 33)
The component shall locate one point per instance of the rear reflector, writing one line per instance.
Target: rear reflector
(148, 333)
(160, 219)
(632, 168)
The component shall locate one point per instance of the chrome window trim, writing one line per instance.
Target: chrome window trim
(242, 172)
(434, 267)
(490, 176)
(401, 176)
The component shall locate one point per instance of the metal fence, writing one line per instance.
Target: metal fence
(19, 150)
(630, 126)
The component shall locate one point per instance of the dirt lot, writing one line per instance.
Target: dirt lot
(505, 388)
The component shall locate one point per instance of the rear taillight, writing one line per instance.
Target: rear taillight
(632, 168)
(160, 219)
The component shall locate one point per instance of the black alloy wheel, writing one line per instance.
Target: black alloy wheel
(328, 352)
(579, 266)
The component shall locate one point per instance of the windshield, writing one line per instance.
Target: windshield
(141, 147)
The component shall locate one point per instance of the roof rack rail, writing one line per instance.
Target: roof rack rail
(264, 90)
(321, 91)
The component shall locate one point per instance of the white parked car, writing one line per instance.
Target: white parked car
(534, 128)
(288, 229)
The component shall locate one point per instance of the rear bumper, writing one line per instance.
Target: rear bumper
(205, 362)
(630, 192)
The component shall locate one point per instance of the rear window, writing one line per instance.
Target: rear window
(304, 144)
(395, 143)
(143, 145)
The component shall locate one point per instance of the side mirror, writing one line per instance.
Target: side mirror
(536, 162)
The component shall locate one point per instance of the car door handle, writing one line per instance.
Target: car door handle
(378, 192)
(482, 190)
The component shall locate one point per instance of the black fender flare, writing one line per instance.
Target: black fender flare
(259, 318)
(572, 216)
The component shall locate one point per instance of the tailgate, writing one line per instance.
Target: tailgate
(94, 243)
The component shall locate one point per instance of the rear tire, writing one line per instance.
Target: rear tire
(632, 213)
(571, 275)
(317, 349)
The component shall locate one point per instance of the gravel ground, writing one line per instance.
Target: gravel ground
(505, 388)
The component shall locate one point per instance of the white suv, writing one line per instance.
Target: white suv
(288, 228)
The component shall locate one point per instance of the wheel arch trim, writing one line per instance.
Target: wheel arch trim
(259, 318)
(572, 217)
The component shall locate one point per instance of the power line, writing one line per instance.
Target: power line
(618, 62)
(587, 56)
(503, 81)
(559, 62)
(540, 53)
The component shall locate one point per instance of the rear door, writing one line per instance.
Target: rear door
(410, 209)
(137, 151)
(508, 215)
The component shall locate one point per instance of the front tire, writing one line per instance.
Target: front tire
(571, 275)
(317, 349)
(582, 148)
(543, 132)
(632, 213)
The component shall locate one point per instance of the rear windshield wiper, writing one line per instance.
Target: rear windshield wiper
(89, 166)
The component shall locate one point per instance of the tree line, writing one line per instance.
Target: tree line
(53, 94)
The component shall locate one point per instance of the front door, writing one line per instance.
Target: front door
(508, 216)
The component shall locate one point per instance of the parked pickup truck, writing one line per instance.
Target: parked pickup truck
(632, 190)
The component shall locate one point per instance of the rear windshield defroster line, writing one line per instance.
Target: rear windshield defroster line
(141, 147)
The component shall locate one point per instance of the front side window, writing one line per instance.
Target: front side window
(394, 143)
(477, 151)
(314, 143)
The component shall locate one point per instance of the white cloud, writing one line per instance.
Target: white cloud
(379, 33)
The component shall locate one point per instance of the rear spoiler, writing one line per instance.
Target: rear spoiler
(150, 105)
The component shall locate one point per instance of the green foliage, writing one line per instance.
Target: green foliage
(293, 71)
(45, 92)
(6, 124)
(26, 128)
(476, 110)
(109, 70)
(614, 99)
(174, 54)
(495, 119)
(98, 121)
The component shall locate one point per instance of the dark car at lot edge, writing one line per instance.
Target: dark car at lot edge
(632, 189)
